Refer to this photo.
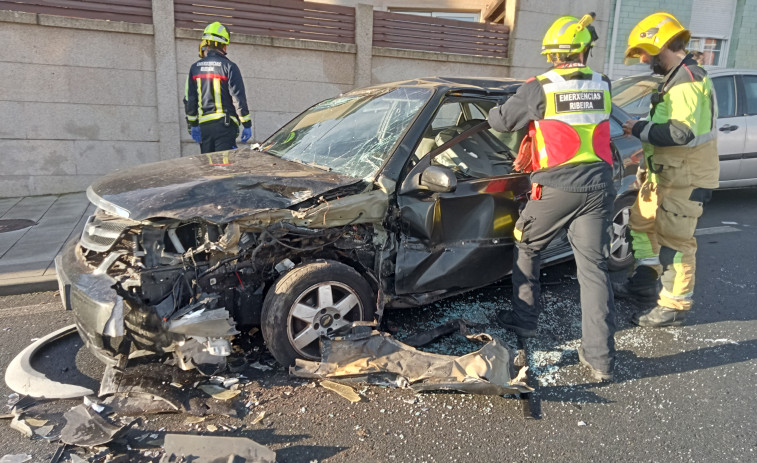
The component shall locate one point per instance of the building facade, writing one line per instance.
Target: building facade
(723, 30)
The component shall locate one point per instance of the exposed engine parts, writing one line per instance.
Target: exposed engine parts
(186, 287)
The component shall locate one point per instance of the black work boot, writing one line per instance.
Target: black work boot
(508, 320)
(659, 316)
(598, 375)
(641, 288)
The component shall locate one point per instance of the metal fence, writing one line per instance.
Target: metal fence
(274, 18)
(413, 32)
(136, 11)
(295, 19)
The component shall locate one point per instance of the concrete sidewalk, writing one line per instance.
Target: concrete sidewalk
(27, 254)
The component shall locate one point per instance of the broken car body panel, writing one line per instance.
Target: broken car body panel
(218, 187)
(180, 254)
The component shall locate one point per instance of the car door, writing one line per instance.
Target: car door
(459, 239)
(732, 127)
(748, 168)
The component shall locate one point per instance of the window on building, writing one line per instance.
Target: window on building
(458, 15)
(711, 49)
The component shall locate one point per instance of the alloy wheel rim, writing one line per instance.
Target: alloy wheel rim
(319, 311)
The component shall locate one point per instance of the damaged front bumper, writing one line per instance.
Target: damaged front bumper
(99, 311)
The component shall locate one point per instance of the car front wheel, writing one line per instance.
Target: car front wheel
(621, 253)
(310, 301)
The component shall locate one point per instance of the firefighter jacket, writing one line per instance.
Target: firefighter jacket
(567, 110)
(214, 87)
(681, 129)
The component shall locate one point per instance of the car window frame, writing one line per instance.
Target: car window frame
(742, 85)
(736, 78)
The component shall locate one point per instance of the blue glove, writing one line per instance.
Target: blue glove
(246, 134)
(195, 132)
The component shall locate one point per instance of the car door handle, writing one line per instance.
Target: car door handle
(728, 128)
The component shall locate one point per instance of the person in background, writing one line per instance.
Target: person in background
(214, 98)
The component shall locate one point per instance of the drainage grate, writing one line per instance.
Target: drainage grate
(10, 225)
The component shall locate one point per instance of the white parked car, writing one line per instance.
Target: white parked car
(736, 91)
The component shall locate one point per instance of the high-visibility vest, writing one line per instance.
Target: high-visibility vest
(575, 128)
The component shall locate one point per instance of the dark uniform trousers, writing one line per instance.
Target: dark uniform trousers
(587, 218)
(217, 136)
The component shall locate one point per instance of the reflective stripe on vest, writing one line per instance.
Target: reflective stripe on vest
(575, 128)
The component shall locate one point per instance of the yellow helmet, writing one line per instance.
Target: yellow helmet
(215, 32)
(567, 35)
(652, 33)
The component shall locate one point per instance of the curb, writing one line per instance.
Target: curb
(28, 285)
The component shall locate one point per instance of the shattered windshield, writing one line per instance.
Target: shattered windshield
(352, 134)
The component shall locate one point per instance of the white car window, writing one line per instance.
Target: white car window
(725, 90)
(750, 92)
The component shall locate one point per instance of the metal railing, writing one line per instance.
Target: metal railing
(136, 11)
(413, 32)
(294, 19)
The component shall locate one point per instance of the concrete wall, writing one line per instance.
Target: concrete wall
(73, 104)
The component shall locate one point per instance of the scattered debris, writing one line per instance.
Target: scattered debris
(427, 337)
(44, 431)
(201, 407)
(35, 422)
(194, 419)
(212, 428)
(259, 418)
(582, 423)
(204, 449)
(138, 390)
(58, 454)
(23, 379)
(341, 389)
(20, 425)
(218, 392)
(93, 405)
(86, 428)
(489, 370)
(260, 366)
(18, 458)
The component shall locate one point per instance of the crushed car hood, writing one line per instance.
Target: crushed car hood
(219, 187)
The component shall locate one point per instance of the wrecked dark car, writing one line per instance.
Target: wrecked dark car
(351, 208)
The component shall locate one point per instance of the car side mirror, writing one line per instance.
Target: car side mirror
(439, 179)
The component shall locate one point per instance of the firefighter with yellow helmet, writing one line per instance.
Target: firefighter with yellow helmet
(567, 111)
(682, 169)
(215, 102)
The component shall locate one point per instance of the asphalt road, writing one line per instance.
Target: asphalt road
(681, 394)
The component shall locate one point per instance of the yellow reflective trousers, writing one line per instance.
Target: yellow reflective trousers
(664, 217)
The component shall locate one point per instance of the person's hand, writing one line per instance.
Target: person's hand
(628, 126)
(195, 132)
(246, 134)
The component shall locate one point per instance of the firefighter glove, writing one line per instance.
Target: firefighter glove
(246, 134)
(195, 132)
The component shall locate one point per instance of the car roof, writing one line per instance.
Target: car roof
(480, 84)
(711, 70)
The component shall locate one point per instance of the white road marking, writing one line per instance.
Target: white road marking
(715, 230)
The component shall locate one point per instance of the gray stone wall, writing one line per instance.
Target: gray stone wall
(75, 103)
